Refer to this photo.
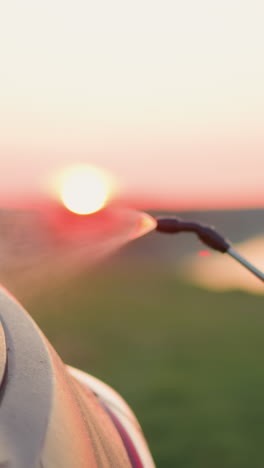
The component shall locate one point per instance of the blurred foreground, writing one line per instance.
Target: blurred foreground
(189, 362)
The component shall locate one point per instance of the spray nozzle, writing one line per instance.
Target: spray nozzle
(208, 235)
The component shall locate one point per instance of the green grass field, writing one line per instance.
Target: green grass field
(188, 361)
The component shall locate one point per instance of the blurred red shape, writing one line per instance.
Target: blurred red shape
(204, 253)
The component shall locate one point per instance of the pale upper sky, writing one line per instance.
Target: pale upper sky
(167, 95)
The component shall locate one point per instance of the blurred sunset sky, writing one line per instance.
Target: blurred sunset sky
(168, 96)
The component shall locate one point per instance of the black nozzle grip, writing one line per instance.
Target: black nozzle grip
(206, 234)
(169, 225)
(213, 239)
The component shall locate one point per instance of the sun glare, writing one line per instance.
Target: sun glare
(85, 189)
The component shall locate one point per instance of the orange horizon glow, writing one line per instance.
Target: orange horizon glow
(145, 203)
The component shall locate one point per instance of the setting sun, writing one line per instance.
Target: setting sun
(85, 189)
